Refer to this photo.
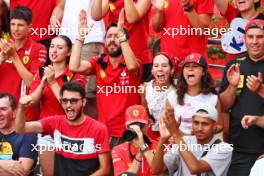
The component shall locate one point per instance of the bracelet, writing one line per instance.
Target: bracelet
(188, 8)
(138, 160)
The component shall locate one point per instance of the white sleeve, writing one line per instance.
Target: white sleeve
(257, 169)
(219, 158)
(171, 160)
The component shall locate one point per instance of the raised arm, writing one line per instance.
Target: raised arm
(254, 84)
(26, 127)
(76, 65)
(57, 14)
(99, 9)
(197, 20)
(136, 11)
(158, 20)
(228, 97)
(221, 5)
(130, 58)
(9, 50)
(157, 164)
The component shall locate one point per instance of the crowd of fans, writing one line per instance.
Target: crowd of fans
(81, 93)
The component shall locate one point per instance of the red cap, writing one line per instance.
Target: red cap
(256, 23)
(194, 58)
(136, 113)
(174, 60)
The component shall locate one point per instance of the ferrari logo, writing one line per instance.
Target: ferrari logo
(112, 7)
(241, 81)
(102, 74)
(136, 113)
(25, 59)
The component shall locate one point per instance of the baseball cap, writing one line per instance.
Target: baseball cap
(256, 23)
(136, 113)
(211, 111)
(194, 58)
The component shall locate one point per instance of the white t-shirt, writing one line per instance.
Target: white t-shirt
(257, 169)
(69, 24)
(218, 157)
(187, 110)
(156, 102)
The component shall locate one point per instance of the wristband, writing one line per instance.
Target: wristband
(144, 148)
(188, 8)
(122, 37)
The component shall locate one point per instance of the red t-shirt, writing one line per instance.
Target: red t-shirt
(84, 141)
(138, 32)
(32, 55)
(183, 45)
(112, 104)
(50, 106)
(122, 159)
(41, 12)
(231, 13)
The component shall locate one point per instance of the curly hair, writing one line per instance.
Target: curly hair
(207, 85)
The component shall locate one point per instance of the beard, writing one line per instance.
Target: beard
(114, 53)
(79, 113)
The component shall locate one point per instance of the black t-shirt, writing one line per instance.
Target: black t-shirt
(71, 167)
(13, 146)
(246, 103)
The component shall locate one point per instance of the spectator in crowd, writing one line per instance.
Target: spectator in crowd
(137, 16)
(246, 9)
(242, 94)
(135, 155)
(81, 143)
(17, 154)
(119, 70)
(45, 90)
(247, 121)
(4, 19)
(194, 86)
(201, 154)
(20, 56)
(173, 17)
(67, 11)
(156, 91)
(41, 14)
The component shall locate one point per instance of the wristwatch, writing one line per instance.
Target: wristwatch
(122, 37)
(144, 148)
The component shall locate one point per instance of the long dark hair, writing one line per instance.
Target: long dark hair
(208, 85)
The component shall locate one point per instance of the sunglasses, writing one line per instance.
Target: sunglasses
(72, 101)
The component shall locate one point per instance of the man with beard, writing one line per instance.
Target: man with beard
(81, 143)
(117, 73)
(242, 94)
